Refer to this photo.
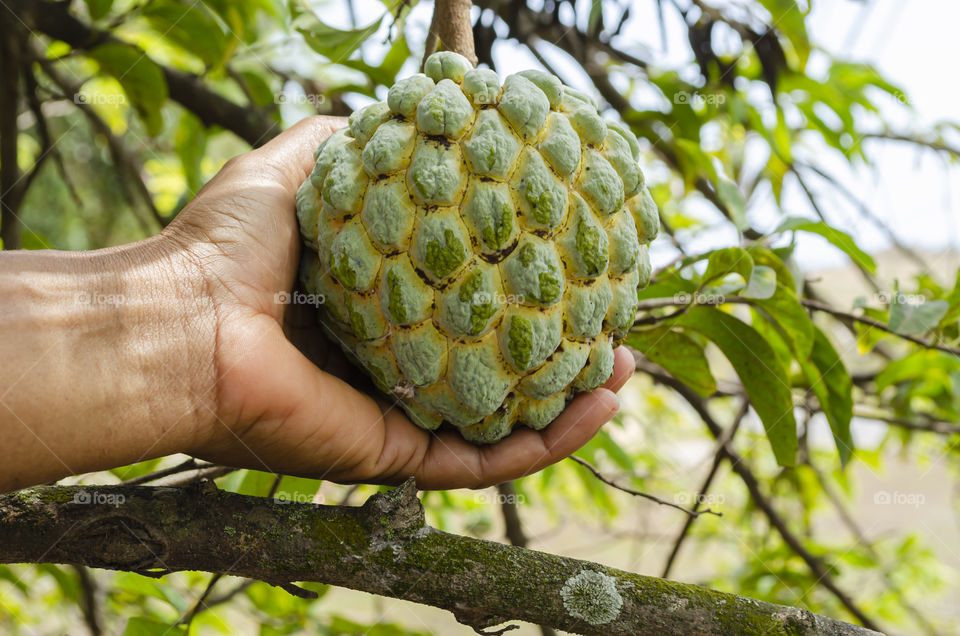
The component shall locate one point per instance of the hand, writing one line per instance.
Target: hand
(275, 409)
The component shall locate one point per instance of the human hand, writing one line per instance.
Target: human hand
(274, 408)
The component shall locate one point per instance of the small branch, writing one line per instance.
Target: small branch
(809, 303)
(55, 20)
(819, 306)
(451, 29)
(511, 515)
(383, 547)
(10, 188)
(718, 458)
(637, 493)
(932, 144)
(190, 464)
(88, 600)
(752, 484)
(927, 425)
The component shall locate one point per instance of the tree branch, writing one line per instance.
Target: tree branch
(10, 187)
(752, 484)
(54, 20)
(383, 547)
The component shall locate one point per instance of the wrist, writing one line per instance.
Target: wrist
(108, 358)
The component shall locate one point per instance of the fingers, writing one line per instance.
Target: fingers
(451, 462)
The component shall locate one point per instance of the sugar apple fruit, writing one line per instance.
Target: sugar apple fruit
(478, 246)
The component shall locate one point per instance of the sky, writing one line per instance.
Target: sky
(913, 44)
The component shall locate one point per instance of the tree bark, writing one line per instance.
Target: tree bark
(383, 547)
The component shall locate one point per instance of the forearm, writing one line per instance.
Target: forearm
(106, 359)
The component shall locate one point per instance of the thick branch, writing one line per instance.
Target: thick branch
(383, 547)
(54, 20)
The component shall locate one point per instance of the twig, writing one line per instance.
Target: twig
(88, 600)
(752, 484)
(847, 519)
(123, 160)
(206, 472)
(10, 190)
(809, 303)
(930, 425)
(939, 146)
(868, 214)
(637, 493)
(190, 464)
(718, 458)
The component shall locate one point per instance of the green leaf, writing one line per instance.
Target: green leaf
(192, 28)
(694, 161)
(839, 239)
(679, 354)
(775, 260)
(139, 626)
(763, 377)
(667, 285)
(763, 283)
(257, 483)
(35, 241)
(909, 317)
(918, 364)
(787, 17)
(385, 73)
(831, 383)
(335, 44)
(785, 310)
(730, 195)
(98, 8)
(141, 78)
(730, 260)
(190, 142)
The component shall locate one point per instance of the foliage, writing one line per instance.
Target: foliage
(735, 326)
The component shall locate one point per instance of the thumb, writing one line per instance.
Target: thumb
(290, 153)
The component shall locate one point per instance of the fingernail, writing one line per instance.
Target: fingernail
(610, 400)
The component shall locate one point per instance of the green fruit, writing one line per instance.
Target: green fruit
(478, 246)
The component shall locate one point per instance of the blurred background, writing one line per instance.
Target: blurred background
(749, 113)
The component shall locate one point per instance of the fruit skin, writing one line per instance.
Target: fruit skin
(478, 246)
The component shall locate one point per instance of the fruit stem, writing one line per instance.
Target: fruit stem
(451, 30)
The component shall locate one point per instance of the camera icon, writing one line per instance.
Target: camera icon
(82, 497)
